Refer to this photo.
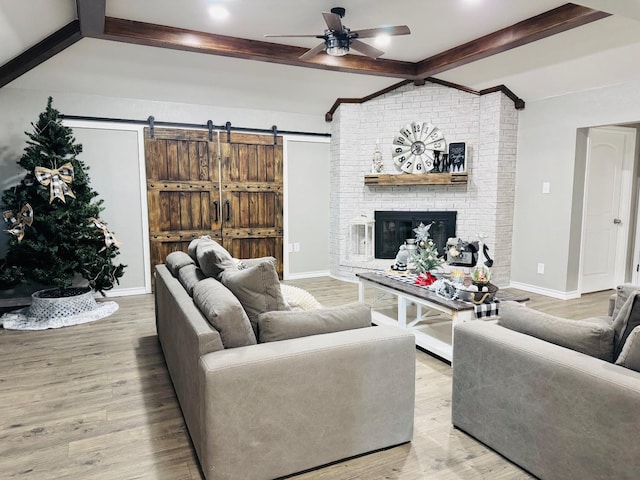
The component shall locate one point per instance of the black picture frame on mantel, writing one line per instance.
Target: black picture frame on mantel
(457, 157)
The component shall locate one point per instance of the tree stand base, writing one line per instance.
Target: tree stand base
(56, 308)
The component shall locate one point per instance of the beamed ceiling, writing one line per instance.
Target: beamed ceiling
(179, 53)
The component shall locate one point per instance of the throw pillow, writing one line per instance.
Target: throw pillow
(298, 298)
(257, 288)
(594, 339)
(275, 326)
(176, 260)
(627, 319)
(622, 294)
(193, 245)
(189, 276)
(224, 312)
(213, 258)
(250, 262)
(630, 355)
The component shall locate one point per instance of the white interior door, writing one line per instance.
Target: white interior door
(610, 158)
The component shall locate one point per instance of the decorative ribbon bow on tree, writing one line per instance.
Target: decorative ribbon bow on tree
(17, 223)
(109, 238)
(57, 180)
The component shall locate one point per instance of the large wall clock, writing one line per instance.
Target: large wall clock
(417, 146)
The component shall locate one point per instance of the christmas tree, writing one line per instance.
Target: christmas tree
(53, 215)
(426, 257)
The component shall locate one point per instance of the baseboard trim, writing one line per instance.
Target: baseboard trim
(300, 276)
(547, 292)
(126, 292)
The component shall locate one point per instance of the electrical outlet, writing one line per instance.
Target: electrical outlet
(290, 247)
(296, 247)
(546, 187)
(541, 268)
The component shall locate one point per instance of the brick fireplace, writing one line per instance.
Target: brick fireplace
(487, 124)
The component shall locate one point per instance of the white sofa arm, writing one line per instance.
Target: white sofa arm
(278, 408)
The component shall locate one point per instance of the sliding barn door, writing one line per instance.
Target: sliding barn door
(252, 196)
(182, 189)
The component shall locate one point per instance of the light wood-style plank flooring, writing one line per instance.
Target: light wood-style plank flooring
(95, 401)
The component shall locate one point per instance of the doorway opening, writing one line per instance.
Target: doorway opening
(609, 207)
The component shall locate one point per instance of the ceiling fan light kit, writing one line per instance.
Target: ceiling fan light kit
(338, 39)
(336, 46)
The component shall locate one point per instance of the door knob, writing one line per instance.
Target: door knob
(617, 221)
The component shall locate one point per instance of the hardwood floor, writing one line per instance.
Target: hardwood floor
(95, 401)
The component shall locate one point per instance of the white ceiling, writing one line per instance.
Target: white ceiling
(587, 57)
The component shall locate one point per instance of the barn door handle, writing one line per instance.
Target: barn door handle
(215, 207)
(227, 204)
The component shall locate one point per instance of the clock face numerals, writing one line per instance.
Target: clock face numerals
(413, 147)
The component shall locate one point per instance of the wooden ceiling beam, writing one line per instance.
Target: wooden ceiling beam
(91, 14)
(40, 52)
(550, 23)
(93, 22)
(142, 33)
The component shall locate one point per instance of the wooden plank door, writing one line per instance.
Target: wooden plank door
(252, 196)
(183, 193)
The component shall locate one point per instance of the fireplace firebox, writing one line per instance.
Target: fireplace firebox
(392, 228)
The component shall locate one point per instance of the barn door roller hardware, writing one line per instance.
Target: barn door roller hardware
(151, 128)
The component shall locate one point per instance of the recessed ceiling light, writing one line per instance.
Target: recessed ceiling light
(382, 40)
(218, 12)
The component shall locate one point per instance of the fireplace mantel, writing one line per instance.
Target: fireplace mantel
(416, 179)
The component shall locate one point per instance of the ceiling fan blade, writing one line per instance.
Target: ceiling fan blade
(299, 36)
(372, 32)
(313, 52)
(333, 21)
(368, 50)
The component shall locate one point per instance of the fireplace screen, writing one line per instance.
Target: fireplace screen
(392, 228)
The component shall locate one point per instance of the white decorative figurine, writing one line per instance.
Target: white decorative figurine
(377, 165)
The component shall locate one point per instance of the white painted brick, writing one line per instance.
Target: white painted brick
(488, 124)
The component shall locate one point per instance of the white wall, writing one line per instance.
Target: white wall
(114, 172)
(548, 144)
(307, 194)
(20, 107)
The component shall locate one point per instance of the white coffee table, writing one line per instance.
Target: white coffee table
(433, 336)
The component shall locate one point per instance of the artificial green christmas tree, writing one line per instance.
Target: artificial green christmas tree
(426, 257)
(53, 215)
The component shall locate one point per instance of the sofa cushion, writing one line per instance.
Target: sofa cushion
(591, 338)
(275, 326)
(189, 276)
(257, 288)
(213, 258)
(627, 319)
(630, 355)
(622, 294)
(176, 260)
(224, 312)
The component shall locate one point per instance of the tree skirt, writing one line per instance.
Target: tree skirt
(56, 312)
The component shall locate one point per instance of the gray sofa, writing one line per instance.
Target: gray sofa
(554, 411)
(272, 409)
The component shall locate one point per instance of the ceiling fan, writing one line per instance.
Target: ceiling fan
(338, 38)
